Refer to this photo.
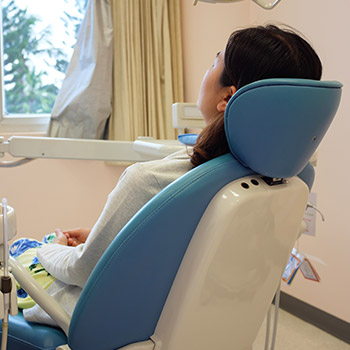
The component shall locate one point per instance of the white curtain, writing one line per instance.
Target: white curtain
(128, 55)
(83, 105)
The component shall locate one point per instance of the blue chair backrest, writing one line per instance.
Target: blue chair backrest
(126, 292)
(274, 126)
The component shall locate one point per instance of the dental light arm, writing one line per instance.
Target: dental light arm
(47, 147)
(266, 4)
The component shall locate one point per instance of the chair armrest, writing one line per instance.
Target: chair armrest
(39, 295)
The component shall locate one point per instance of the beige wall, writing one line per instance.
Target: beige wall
(206, 28)
(325, 23)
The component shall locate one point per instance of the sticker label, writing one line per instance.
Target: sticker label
(298, 261)
(309, 272)
(295, 260)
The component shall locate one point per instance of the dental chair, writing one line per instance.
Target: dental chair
(198, 266)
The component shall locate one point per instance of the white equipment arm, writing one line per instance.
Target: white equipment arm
(266, 4)
(122, 151)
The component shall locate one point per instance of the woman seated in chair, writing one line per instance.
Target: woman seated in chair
(251, 54)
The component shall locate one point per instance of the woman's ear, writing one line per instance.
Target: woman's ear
(228, 92)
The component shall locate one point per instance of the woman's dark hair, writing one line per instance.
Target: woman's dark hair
(253, 54)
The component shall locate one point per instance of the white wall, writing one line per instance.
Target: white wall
(206, 28)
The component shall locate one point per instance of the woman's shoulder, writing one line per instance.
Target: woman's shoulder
(179, 159)
(163, 170)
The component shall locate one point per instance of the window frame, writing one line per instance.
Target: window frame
(31, 123)
(18, 123)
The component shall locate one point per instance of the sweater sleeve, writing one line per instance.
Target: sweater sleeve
(73, 265)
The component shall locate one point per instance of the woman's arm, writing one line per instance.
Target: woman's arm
(73, 264)
(138, 184)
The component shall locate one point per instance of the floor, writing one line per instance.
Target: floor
(295, 334)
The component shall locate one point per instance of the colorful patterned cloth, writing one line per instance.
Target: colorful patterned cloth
(24, 250)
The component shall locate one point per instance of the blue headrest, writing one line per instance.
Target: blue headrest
(274, 126)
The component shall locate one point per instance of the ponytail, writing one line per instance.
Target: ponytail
(211, 142)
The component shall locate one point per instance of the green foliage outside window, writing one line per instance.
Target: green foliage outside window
(24, 82)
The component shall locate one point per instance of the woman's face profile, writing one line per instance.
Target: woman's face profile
(213, 97)
(209, 93)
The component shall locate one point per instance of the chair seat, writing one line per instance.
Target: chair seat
(23, 335)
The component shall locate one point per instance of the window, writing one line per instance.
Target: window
(38, 37)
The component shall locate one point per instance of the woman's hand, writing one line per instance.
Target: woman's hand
(60, 238)
(76, 236)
